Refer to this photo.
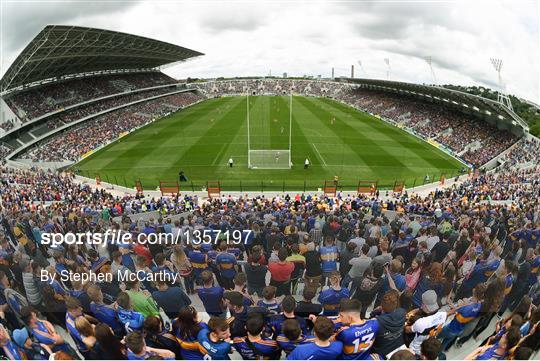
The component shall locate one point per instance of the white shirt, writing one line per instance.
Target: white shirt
(230, 160)
(306, 162)
(423, 324)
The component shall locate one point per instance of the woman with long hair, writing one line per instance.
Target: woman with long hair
(186, 327)
(493, 298)
(412, 275)
(182, 264)
(110, 346)
(431, 279)
(88, 336)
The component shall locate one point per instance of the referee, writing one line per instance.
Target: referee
(231, 162)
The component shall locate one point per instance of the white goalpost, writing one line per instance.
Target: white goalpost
(265, 158)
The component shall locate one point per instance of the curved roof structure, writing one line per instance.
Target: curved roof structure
(60, 51)
(483, 107)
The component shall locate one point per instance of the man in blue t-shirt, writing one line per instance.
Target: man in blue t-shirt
(322, 348)
(216, 340)
(170, 299)
(329, 256)
(332, 296)
(211, 296)
(226, 264)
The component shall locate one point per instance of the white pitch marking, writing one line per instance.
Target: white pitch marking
(320, 156)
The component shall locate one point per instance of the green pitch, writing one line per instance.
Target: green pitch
(338, 141)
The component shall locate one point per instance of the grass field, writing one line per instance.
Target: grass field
(201, 139)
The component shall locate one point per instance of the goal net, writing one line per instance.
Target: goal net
(269, 120)
(269, 158)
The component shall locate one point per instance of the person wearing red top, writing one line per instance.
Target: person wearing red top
(281, 274)
(257, 256)
(142, 250)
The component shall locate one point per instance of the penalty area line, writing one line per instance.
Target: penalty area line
(319, 154)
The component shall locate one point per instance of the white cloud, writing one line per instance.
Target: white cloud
(241, 38)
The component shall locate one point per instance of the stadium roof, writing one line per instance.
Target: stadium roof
(486, 107)
(59, 51)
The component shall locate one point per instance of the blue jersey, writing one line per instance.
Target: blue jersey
(464, 315)
(225, 263)
(127, 261)
(276, 321)
(273, 307)
(490, 354)
(199, 262)
(212, 299)
(132, 320)
(288, 346)
(329, 257)
(311, 351)
(212, 255)
(190, 348)
(481, 272)
(100, 262)
(508, 282)
(74, 333)
(357, 339)
(107, 315)
(330, 299)
(42, 335)
(12, 351)
(267, 349)
(399, 281)
(215, 350)
(535, 267)
(535, 237)
(425, 284)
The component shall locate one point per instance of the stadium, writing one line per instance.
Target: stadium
(259, 217)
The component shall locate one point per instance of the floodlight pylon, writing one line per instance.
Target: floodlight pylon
(503, 97)
(430, 63)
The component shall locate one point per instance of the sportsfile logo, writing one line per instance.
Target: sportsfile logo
(108, 237)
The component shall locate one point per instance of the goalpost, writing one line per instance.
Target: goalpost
(279, 158)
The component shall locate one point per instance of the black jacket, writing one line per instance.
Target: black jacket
(390, 334)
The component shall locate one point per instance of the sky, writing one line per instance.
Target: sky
(256, 38)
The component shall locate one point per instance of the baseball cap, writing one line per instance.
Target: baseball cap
(429, 301)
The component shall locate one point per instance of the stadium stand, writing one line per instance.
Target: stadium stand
(79, 140)
(48, 98)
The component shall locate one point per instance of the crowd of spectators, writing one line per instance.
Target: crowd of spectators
(273, 86)
(4, 150)
(7, 125)
(69, 116)
(48, 98)
(351, 277)
(74, 142)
